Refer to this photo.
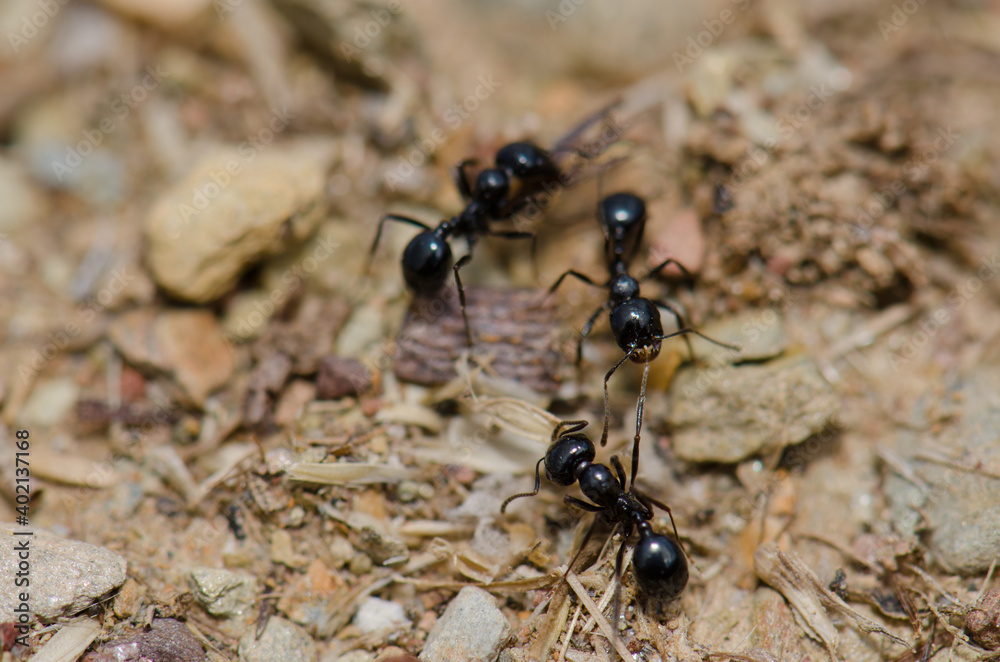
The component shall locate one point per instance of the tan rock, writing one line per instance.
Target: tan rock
(236, 207)
(163, 13)
(188, 345)
(723, 413)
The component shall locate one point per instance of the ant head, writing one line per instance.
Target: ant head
(623, 217)
(566, 457)
(659, 565)
(636, 327)
(426, 262)
(492, 186)
(526, 161)
(623, 287)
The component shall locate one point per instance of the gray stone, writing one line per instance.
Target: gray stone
(224, 593)
(230, 212)
(957, 504)
(726, 413)
(66, 575)
(281, 640)
(471, 629)
(759, 334)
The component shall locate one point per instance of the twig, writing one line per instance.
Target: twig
(598, 617)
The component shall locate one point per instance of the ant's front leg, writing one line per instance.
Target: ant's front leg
(378, 233)
(461, 178)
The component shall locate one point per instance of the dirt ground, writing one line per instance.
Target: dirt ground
(208, 371)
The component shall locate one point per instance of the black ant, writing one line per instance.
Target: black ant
(658, 561)
(635, 320)
(522, 171)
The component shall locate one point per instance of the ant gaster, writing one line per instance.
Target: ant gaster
(522, 170)
(658, 561)
(635, 320)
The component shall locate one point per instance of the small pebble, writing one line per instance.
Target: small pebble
(360, 565)
(224, 593)
(471, 629)
(339, 377)
(281, 641)
(187, 344)
(377, 615)
(167, 640)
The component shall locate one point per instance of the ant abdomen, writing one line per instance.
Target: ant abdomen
(659, 565)
(526, 161)
(427, 261)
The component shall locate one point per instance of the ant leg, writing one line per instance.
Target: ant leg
(462, 261)
(462, 178)
(638, 423)
(658, 268)
(576, 274)
(568, 427)
(580, 504)
(378, 234)
(649, 501)
(583, 546)
(619, 469)
(607, 398)
(538, 482)
(579, 129)
(683, 326)
(585, 331)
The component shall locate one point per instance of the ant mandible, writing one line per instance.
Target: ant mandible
(658, 561)
(635, 320)
(522, 170)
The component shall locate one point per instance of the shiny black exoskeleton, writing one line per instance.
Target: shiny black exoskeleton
(658, 561)
(522, 170)
(635, 320)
